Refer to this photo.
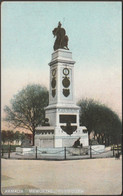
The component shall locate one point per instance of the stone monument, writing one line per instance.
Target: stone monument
(62, 112)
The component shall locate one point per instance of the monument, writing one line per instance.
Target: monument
(62, 127)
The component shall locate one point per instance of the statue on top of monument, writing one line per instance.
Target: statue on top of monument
(61, 38)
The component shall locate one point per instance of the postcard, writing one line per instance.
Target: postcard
(61, 98)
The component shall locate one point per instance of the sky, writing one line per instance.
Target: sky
(94, 31)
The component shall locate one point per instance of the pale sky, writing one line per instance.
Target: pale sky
(94, 31)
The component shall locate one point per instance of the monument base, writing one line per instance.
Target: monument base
(97, 149)
(46, 137)
(24, 150)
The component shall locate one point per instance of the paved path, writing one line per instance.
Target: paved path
(88, 177)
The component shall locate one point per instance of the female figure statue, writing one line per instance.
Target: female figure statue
(61, 38)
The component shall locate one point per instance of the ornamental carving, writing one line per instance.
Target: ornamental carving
(66, 92)
(53, 92)
(66, 82)
(67, 110)
(53, 82)
(68, 128)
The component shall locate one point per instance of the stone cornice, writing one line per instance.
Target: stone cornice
(50, 107)
(62, 61)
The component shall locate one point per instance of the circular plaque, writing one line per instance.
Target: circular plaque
(65, 71)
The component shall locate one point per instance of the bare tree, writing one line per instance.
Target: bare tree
(27, 108)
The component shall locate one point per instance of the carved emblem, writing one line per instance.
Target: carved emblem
(66, 92)
(66, 82)
(68, 128)
(53, 92)
(53, 72)
(53, 82)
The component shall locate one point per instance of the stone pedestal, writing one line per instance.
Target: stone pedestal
(62, 111)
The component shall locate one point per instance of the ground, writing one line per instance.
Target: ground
(83, 177)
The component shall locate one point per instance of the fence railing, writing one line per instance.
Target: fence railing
(60, 153)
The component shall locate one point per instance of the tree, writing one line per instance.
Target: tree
(7, 136)
(22, 136)
(4, 136)
(17, 136)
(27, 108)
(10, 136)
(100, 119)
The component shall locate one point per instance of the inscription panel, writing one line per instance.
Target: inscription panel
(67, 118)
